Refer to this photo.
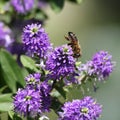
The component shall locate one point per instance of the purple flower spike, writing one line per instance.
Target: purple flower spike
(85, 109)
(22, 6)
(99, 67)
(102, 63)
(27, 102)
(36, 40)
(61, 62)
(44, 89)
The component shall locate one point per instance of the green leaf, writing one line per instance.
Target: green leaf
(55, 94)
(14, 116)
(28, 63)
(4, 116)
(56, 104)
(5, 98)
(40, 15)
(57, 5)
(6, 106)
(3, 88)
(11, 71)
(11, 114)
(60, 88)
(6, 102)
(79, 1)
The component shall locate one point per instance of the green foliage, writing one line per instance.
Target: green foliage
(6, 102)
(76, 1)
(60, 88)
(29, 63)
(11, 72)
(6, 97)
(6, 106)
(9, 15)
(57, 5)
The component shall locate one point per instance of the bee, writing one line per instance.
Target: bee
(74, 43)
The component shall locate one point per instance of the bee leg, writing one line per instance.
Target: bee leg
(67, 38)
(70, 44)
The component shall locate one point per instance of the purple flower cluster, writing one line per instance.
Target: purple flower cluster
(58, 64)
(61, 62)
(5, 36)
(22, 6)
(36, 40)
(102, 62)
(34, 99)
(99, 67)
(85, 109)
(27, 102)
(33, 80)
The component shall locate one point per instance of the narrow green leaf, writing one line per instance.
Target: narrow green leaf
(3, 88)
(60, 88)
(14, 116)
(55, 94)
(6, 98)
(61, 91)
(56, 104)
(28, 63)
(4, 116)
(6, 106)
(11, 114)
(57, 5)
(11, 71)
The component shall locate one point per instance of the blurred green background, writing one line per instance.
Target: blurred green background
(97, 25)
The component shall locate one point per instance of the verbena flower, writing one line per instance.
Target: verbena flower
(99, 67)
(61, 62)
(84, 109)
(5, 36)
(22, 6)
(27, 102)
(36, 40)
